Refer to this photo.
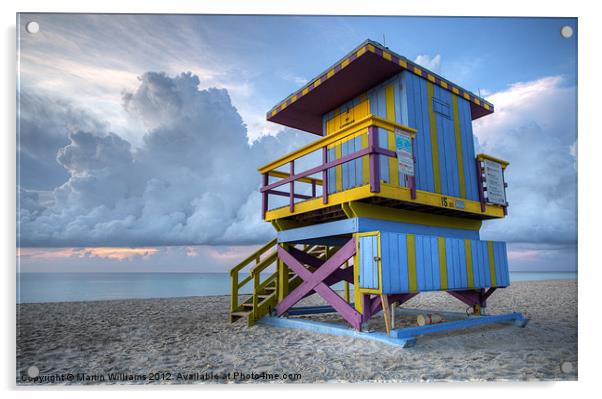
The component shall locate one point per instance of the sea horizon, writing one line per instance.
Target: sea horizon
(47, 287)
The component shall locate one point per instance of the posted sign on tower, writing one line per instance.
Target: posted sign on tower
(405, 158)
(494, 179)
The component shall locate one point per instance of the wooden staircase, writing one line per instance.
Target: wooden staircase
(264, 295)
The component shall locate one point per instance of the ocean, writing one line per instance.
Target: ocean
(69, 287)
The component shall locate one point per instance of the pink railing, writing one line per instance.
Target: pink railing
(373, 151)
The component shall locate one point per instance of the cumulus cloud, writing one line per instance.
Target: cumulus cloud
(44, 125)
(432, 63)
(534, 127)
(192, 181)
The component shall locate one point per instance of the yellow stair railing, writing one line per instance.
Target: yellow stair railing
(264, 295)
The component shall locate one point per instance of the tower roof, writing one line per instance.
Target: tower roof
(363, 68)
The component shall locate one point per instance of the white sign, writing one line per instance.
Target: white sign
(496, 193)
(405, 158)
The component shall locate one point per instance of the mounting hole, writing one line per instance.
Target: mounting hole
(32, 27)
(566, 367)
(33, 372)
(566, 32)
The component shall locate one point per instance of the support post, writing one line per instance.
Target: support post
(413, 178)
(480, 183)
(385, 303)
(292, 187)
(366, 308)
(346, 285)
(324, 176)
(282, 277)
(475, 298)
(374, 160)
(505, 207)
(234, 295)
(264, 196)
(313, 188)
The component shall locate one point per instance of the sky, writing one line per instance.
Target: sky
(139, 136)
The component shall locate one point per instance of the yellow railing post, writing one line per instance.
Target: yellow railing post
(234, 294)
(282, 278)
(256, 283)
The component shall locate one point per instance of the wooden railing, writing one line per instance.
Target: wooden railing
(260, 260)
(369, 124)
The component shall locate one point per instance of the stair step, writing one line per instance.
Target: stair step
(241, 313)
(247, 305)
(263, 296)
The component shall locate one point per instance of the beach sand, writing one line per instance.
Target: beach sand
(169, 339)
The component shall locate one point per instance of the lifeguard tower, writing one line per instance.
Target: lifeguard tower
(389, 199)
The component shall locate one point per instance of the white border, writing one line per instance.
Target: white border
(589, 196)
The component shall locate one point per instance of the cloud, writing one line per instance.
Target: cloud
(432, 63)
(166, 259)
(534, 127)
(91, 58)
(44, 124)
(118, 254)
(192, 181)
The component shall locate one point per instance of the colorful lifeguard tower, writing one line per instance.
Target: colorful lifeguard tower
(392, 204)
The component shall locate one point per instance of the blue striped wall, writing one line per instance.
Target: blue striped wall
(395, 266)
(412, 109)
(415, 101)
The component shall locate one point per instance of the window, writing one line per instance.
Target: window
(441, 107)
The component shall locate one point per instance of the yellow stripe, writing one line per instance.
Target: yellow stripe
(443, 84)
(390, 105)
(403, 64)
(469, 276)
(364, 210)
(386, 191)
(386, 56)
(412, 277)
(357, 295)
(459, 147)
(434, 144)
(365, 161)
(492, 264)
(442, 263)
(338, 169)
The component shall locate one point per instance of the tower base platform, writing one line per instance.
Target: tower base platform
(401, 337)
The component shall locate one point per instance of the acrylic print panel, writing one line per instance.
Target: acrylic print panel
(186, 214)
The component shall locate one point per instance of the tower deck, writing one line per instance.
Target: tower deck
(319, 192)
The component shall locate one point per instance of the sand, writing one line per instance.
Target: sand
(189, 340)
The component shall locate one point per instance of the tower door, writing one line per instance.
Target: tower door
(369, 260)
